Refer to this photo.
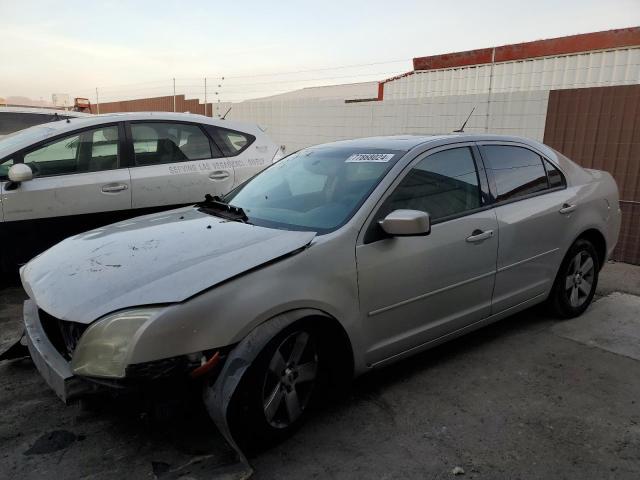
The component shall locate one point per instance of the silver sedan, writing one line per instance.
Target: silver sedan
(336, 260)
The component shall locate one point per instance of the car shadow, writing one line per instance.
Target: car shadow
(529, 320)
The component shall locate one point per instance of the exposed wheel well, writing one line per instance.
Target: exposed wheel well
(598, 241)
(341, 362)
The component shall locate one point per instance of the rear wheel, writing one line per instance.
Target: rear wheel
(576, 282)
(282, 384)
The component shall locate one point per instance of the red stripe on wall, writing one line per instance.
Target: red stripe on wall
(457, 59)
(623, 37)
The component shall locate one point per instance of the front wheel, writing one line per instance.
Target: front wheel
(279, 388)
(576, 282)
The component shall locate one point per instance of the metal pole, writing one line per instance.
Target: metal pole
(205, 96)
(493, 60)
(97, 101)
(174, 94)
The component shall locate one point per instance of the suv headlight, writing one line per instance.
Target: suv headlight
(103, 350)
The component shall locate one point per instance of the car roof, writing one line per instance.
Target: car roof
(392, 142)
(28, 136)
(43, 111)
(155, 116)
(408, 142)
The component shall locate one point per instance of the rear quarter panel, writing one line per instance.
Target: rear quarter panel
(254, 159)
(596, 195)
(605, 201)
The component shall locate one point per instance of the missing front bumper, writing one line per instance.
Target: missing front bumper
(53, 367)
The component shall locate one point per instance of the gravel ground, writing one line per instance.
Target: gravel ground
(516, 400)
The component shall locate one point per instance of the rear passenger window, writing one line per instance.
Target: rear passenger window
(517, 171)
(230, 142)
(556, 179)
(158, 142)
(443, 184)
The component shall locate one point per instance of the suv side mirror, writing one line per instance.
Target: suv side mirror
(20, 172)
(405, 223)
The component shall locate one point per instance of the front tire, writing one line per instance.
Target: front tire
(576, 282)
(278, 390)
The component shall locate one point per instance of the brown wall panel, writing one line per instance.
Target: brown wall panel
(600, 128)
(155, 104)
(628, 249)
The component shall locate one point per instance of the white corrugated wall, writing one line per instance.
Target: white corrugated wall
(438, 101)
(590, 69)
(300, 123)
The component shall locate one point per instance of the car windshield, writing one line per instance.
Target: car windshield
(318, 188)
(26, 136)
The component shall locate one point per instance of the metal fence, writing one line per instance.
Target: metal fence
(169, 103)
(600, 128)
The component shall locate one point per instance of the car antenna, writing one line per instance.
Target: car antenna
(465, 122)
(225, 114)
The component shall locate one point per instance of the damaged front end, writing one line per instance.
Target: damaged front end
(49, 360)
(53, 343)
(55, 346)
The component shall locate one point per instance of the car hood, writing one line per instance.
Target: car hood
(160, 258)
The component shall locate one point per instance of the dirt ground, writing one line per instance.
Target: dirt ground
(526, 398)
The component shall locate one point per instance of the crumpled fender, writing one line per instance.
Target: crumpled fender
(217, 397)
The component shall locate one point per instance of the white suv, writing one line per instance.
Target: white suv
(65, 177)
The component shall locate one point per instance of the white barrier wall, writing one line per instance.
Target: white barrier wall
(438, 101)
(301, 123)
(588, 69)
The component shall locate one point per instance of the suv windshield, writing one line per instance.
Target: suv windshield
(318, 188)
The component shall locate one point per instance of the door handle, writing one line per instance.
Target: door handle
(567, 208)
(479, 236)
(219, 175)
(114, 188)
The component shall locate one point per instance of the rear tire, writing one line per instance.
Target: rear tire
(281, 386)
(576, 281)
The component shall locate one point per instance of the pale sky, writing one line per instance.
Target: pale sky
(129, 49)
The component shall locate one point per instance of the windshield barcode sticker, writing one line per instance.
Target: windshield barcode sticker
(369, 157)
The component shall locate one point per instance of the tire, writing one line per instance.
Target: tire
(576, 281)
(284, 382)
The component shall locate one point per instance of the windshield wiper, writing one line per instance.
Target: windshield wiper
(214, 205)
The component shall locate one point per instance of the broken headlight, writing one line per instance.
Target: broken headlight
(103, 350)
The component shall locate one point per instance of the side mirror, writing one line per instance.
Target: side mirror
(405, 223)
(20, 173)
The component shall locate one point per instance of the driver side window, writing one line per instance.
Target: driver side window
(444, 185)
(88, 151)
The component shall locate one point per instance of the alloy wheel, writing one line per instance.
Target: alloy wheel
(290, 379)
(580, 278)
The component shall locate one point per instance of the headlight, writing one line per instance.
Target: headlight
(103, 350)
